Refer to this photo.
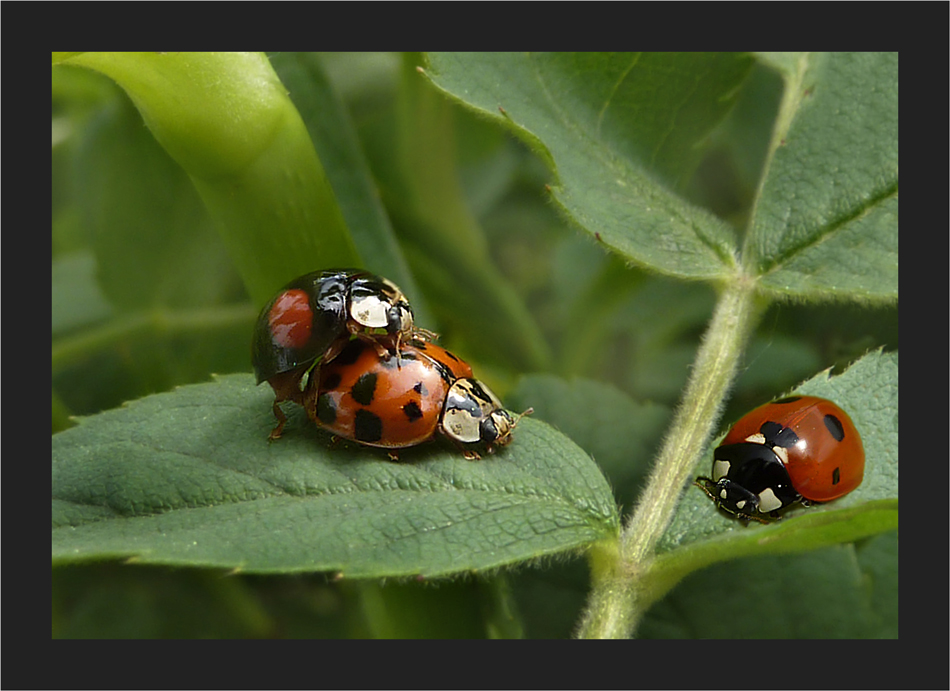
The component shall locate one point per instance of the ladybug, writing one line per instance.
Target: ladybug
(403, 398)
(312, 318)
(796, 449)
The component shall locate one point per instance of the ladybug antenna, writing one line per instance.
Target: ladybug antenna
(518, 417)
(425, 335)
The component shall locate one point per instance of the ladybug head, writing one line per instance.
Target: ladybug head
(473, 414)
(730, 496)
(496, 429)
(399, 318)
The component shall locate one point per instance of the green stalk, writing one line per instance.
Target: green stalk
(619, 597)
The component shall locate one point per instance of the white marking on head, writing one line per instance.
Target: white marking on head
(461, 425)
(740, 504)
(757, 438)
(370, 311)
(463, 411)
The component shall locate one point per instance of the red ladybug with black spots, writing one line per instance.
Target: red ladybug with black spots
(404, 398)
(311, 319)
(796, 449)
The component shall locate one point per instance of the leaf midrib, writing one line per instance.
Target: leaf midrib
(857, 212)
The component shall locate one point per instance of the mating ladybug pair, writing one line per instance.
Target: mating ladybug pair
(342, 344)
(796, 449)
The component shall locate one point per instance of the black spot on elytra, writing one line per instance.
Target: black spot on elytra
(326, 411)
(367, 426)
(332, 380)
(777, 435)
(834, 427)
(420, 388)
(412, 411)
(836, 476)
(364, 389)
(401, 360)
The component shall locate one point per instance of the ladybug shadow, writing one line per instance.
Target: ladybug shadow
(301, 434)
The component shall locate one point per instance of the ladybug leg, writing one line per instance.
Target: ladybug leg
(378, 345)
(760, 518)
(377, 341)
(289, 386)
(311, 393)
(281, 421)
(425, 335)
(393, 456)
(398, 341)
(467, 454)
(765, 518)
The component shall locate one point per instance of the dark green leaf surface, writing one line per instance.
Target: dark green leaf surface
(189, 478)
(620, 131)
(840, 591)
(826, 220)
(110, 600)
(154, 242)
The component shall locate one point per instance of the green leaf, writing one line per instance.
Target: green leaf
(840, 591)
(699, 535)
(227, 120)
(619, 433)
(621, 132)
(463, 608)
(59, 57)
(189, 478)
(826, 220)
(154, 242)
(111, 600)
(77, 300)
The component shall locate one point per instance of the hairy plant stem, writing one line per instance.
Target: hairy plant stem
(618, 598)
